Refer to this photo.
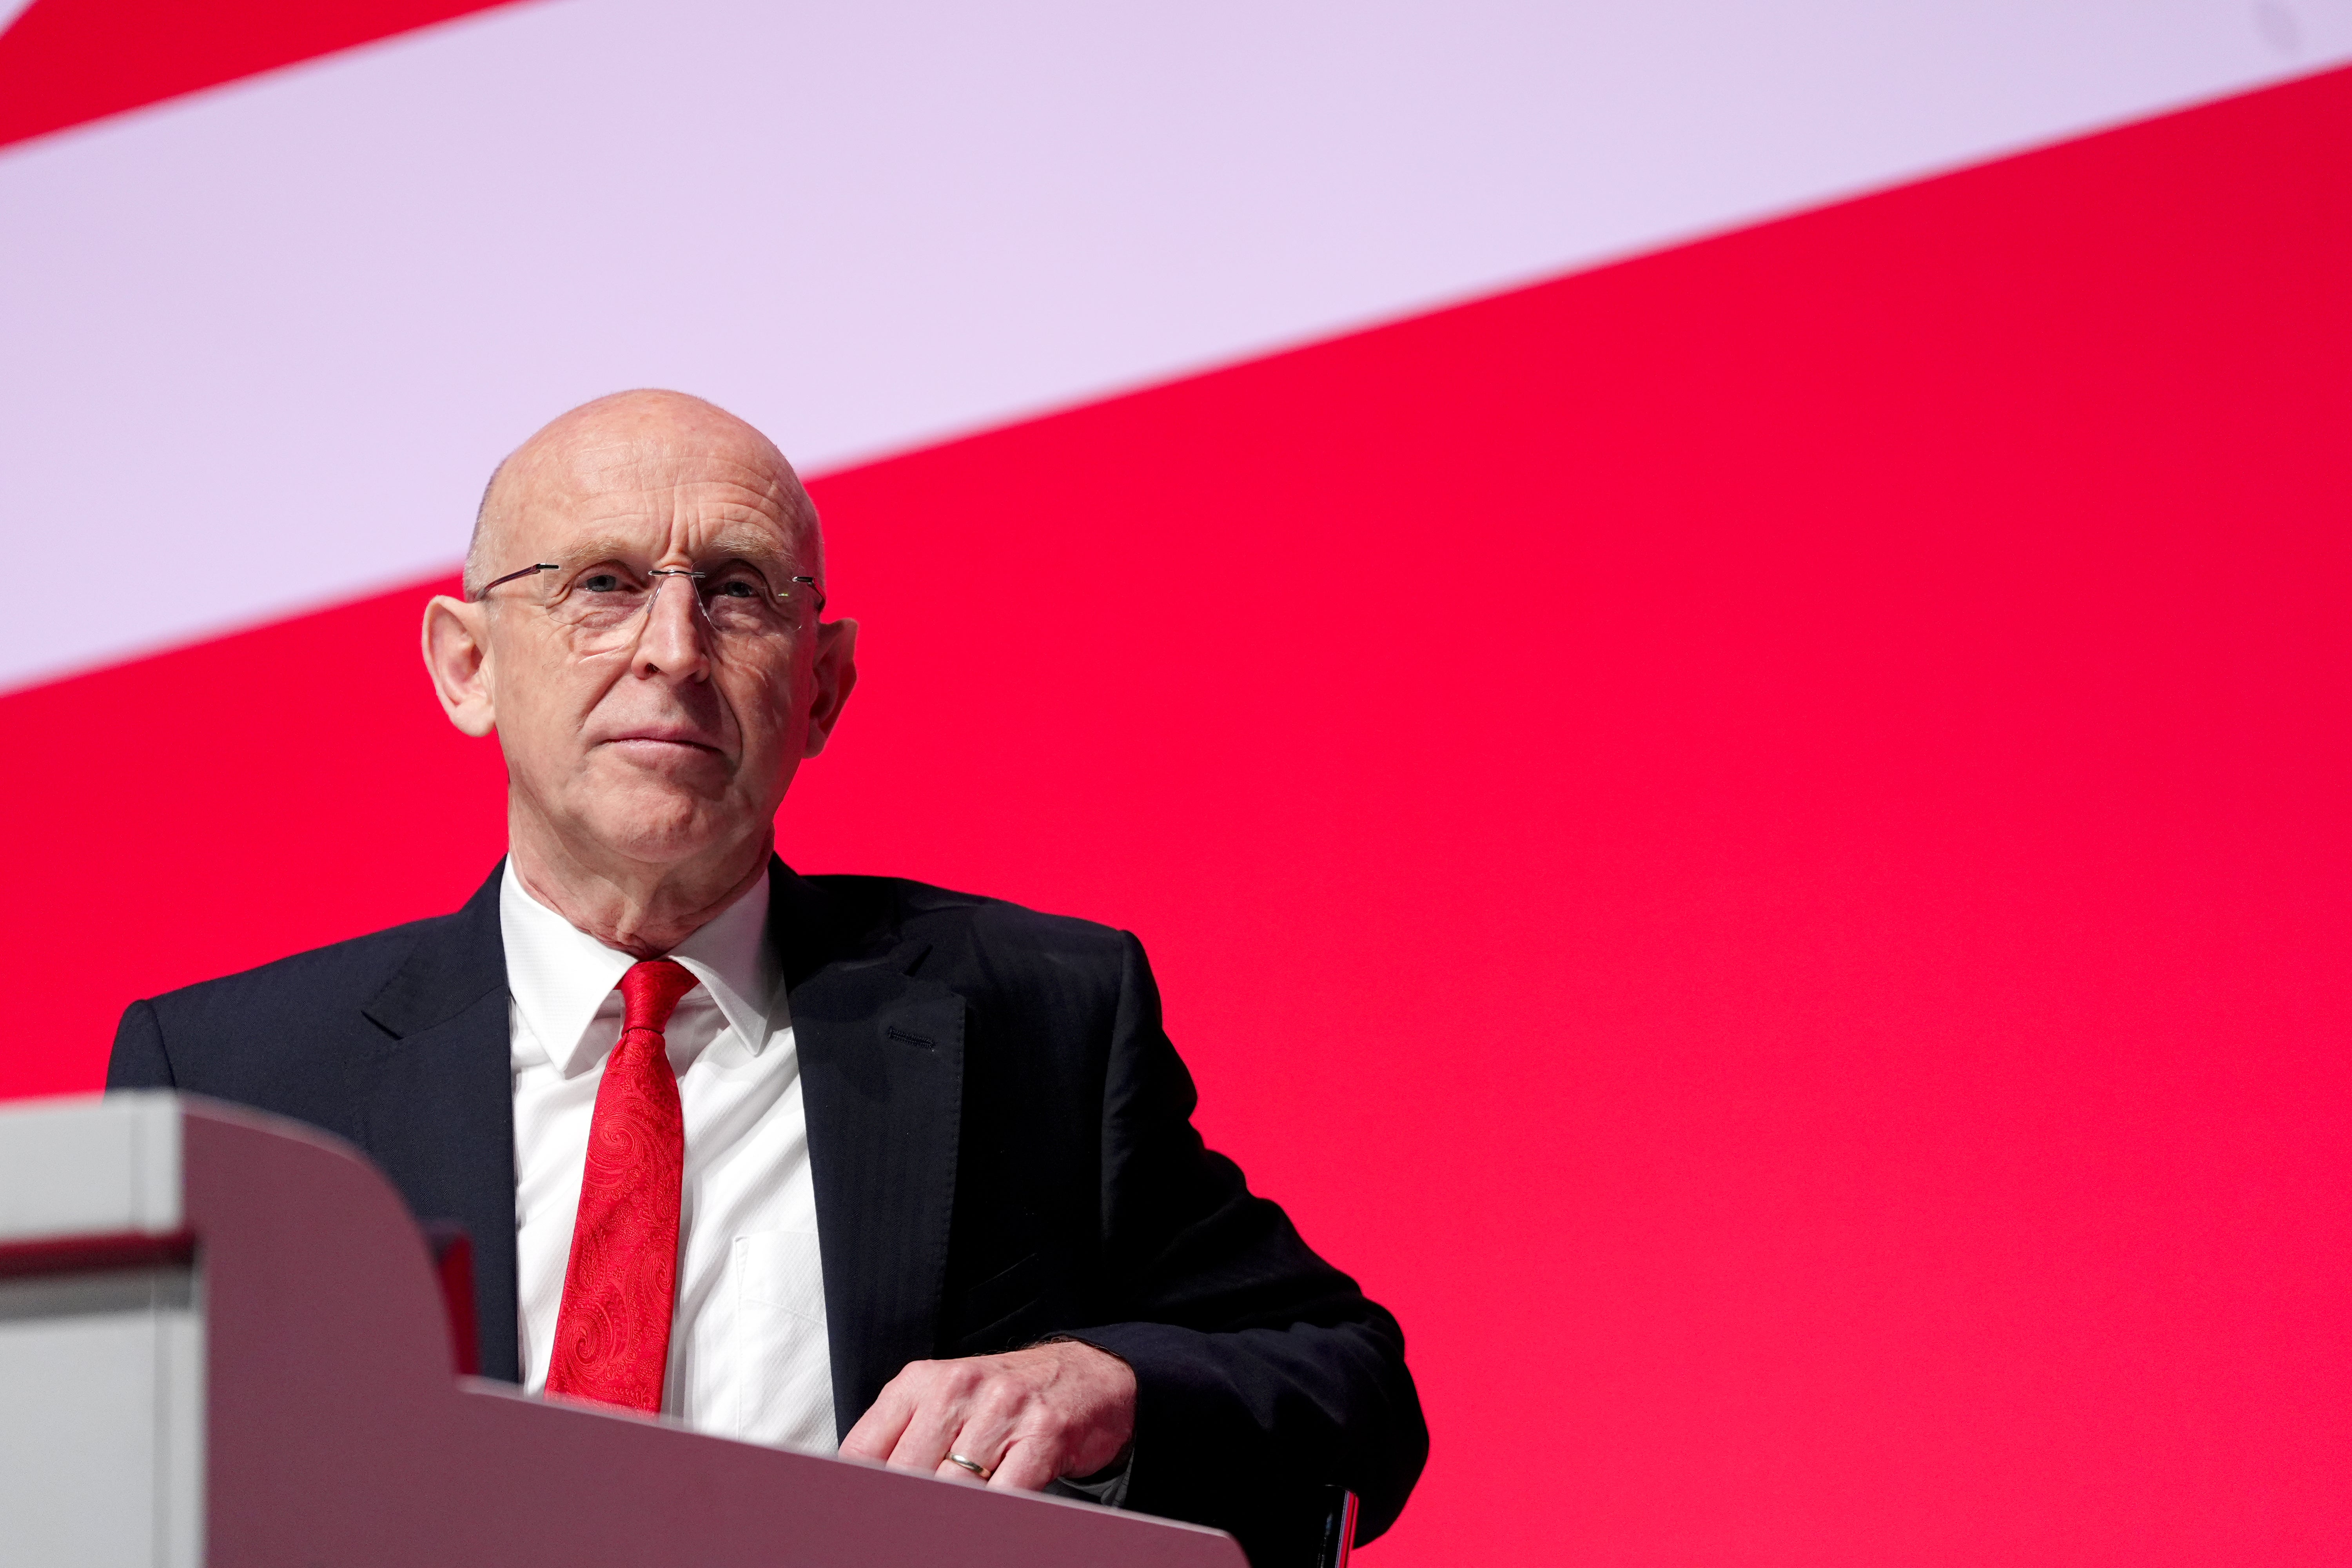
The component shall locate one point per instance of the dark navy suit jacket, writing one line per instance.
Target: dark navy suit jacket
(1000, 1138)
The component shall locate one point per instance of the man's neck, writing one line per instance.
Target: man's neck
(646, 911)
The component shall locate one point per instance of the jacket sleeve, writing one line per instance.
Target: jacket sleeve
(1263, 1374)
(139, 1061)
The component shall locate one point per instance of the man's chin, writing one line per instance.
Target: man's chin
(660, 815)
(647, 840)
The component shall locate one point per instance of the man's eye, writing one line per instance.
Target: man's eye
(602, 583)
(738, 588)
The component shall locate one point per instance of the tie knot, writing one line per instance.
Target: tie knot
(650, 992)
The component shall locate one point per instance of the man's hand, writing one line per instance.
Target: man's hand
(1027, 1416)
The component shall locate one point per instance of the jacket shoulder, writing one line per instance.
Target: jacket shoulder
(341, 976)
(897, 909)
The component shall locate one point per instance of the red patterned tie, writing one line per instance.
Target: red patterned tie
(612, 1336)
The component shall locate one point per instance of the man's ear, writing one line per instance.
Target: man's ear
(458, 656)
(836, 673)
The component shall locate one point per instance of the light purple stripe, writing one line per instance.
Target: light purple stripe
(265, 342)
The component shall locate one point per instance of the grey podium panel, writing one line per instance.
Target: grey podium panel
(101, 1405)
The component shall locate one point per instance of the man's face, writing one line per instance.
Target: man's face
(672, 735)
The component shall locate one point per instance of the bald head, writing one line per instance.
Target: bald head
(626, 441)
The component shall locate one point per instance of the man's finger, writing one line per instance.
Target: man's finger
(950, 1470)
(922, 1444)
(983, 1435)
(876, 1432)
(1026, 1466)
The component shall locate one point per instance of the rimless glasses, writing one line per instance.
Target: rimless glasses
(605, 607)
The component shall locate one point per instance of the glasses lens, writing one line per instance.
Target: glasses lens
(738, 603)
(600, 607)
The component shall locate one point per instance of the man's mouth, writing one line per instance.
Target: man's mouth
(652, 742)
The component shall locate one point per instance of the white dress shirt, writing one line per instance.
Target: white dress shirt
(747, 1351)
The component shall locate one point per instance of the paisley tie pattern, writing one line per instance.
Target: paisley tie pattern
(612, 1334)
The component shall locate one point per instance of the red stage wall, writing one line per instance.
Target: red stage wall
(1756, 839)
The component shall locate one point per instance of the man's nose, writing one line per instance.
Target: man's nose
(674, 639)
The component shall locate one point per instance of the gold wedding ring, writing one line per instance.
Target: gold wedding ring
(974, 1466)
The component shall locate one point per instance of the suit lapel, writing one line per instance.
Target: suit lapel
(438, 1109)
(881, 1058)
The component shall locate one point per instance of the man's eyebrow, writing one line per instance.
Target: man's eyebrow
(750, 545)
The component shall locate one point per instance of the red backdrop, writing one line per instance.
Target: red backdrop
(1755, 838)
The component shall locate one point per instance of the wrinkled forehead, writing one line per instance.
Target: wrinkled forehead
(625, 495)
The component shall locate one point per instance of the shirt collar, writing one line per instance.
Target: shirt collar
(559, 975)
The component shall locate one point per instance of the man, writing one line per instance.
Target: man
(802, 1160)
